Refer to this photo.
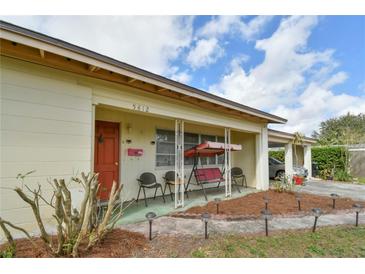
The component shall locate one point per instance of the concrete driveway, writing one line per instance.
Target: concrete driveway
(355, 192)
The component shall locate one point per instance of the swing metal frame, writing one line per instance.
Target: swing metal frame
(210, 175)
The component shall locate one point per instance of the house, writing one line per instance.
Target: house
(66, 109)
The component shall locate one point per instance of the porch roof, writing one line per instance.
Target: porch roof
(24, 44)
(276, 136)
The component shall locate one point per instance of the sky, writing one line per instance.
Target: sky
(306, 69)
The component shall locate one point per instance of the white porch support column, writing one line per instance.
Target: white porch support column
(262, 160)
(289, 159)
(308, 159)
(92, 150)
(227, 162)
(179, 164)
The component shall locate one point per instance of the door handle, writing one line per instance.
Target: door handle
(116, 163)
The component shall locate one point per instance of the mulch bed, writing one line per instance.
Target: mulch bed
(250, 206)
(117, 244)
(122, 243)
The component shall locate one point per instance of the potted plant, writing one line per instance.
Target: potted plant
(298, 179)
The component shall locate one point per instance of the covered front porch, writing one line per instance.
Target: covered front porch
(158, 143)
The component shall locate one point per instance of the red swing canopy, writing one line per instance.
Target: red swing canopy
(209, 149)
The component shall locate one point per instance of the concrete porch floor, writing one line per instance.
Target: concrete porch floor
(136, 212)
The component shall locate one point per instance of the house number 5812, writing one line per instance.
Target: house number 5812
(142, 108)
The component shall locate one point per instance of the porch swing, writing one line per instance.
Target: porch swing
(207, 175)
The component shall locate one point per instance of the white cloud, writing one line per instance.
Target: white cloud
(335, 79)
(208, 48)
(205, 52)
(182, 77)
(254, 27)
(316, 104)
(293, 81)
(220, 25)
(149, 42)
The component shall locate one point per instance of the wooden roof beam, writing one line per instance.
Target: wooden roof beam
(161, 89)
(92, 68)
(131, 80)
(42, 53)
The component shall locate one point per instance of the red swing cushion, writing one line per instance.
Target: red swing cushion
(208, 175)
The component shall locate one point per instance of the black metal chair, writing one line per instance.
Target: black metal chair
(169, 179)
(238, 178)
(148, 180)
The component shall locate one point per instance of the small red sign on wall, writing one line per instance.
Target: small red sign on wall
(135, 152)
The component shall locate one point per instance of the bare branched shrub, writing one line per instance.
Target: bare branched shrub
(74, 226)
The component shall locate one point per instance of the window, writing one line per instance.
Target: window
(165, 148)
(190, 140)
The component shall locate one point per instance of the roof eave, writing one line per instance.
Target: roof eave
(140, 72)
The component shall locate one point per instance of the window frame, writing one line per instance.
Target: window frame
(216, 139)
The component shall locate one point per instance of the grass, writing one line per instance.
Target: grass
(339, 242)
(9, 252)
(361, 180)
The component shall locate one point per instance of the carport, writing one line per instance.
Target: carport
(284, 140)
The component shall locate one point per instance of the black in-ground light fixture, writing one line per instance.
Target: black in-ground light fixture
(334, 197)
(266, 200)
(205, 218)
(266, 215)
(150, 216)
(358, 208)
(316, 212)
(298, 197)
(217, 201)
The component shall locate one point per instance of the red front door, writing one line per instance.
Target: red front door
(106, 156)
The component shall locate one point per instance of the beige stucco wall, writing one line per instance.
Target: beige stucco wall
(246, 158)
(46, 125)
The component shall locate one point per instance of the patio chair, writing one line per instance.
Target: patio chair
(148, 180)
(169, 179)
(238, 178)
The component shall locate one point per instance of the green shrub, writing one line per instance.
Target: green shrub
(330, 160)
(326, 173)
(286, 184)
(342, 175)
(279, 154)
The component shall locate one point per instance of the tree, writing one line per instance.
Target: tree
(74, 225)
(344, 130)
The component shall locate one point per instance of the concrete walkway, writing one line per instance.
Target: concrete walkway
(174, 226)
(137, 211)
(354, 191)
